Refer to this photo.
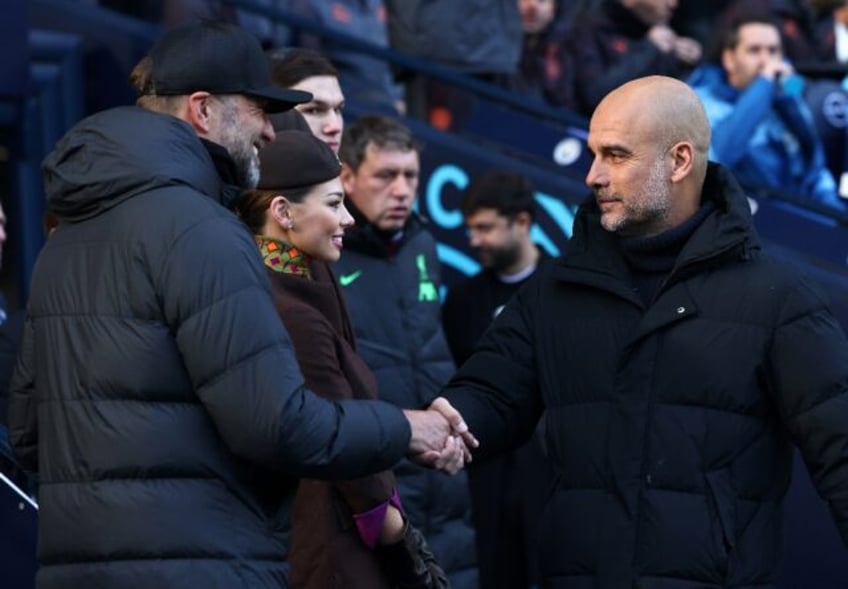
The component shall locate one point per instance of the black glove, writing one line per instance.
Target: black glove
(410, 564)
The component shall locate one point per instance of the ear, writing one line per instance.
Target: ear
(523, 220)
(347, 177)
(683, 159)
(726, 62)
(279, 210)
(197, 113)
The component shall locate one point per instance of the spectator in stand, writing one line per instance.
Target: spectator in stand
(831, 30)
(762, 129)
(350, 533)
(390, 277)
(365, 79)
(507, 492)
(173, 13)
(697, 19)
(545, 71)
(309, 71)
(793, 19)
(623, 40)
(481, 38)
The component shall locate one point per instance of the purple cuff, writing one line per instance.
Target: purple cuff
(370, 523)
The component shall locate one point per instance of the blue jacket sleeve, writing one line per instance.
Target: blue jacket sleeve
(818, 181)
(733, 129)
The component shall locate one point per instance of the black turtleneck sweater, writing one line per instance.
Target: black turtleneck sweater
(651, 259)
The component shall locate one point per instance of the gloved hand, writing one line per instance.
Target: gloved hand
(409, 564)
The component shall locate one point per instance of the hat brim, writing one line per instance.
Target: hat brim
(277, 99)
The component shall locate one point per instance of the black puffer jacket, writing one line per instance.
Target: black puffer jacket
(394, 304)
(157, 394)
(669, 426)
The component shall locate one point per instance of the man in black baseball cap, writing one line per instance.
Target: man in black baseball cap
(158, 395)
(215, 77)
(218, 58)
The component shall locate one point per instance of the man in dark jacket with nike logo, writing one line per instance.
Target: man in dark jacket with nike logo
(390, 276)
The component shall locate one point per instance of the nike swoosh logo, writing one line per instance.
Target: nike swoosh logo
(348, 279)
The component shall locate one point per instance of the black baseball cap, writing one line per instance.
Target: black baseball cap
(218, 58)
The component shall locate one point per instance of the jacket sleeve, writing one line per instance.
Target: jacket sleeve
(733, 129)
(818, 180)
(496, 390)
(216, 299)
(808, 373)
(23, 423)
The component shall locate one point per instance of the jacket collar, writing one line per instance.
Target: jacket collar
(282, 257)
(226, 168)
(365, 237)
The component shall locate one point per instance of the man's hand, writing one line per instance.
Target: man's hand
(687, 50)
(457, 423)
(430, 431)
(662, 37)
(439, 437)
(777, 68)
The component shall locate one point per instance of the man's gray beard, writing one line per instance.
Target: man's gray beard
(652, 203)
(252, 173)
(247, 171)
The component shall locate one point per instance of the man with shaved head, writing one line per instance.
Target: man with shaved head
(676, 365)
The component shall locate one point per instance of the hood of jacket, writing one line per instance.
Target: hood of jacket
(116, 154)
(728, 229)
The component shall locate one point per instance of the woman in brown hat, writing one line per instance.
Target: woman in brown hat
(348, 534)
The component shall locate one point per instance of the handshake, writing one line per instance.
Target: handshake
(440, 438)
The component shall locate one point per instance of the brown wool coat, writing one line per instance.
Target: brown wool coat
(326, 551)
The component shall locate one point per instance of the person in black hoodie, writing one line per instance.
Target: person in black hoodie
(622, 40)
(156, 394)
(507, 492)
(676, 364)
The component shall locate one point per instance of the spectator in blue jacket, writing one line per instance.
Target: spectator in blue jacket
(762, 129)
